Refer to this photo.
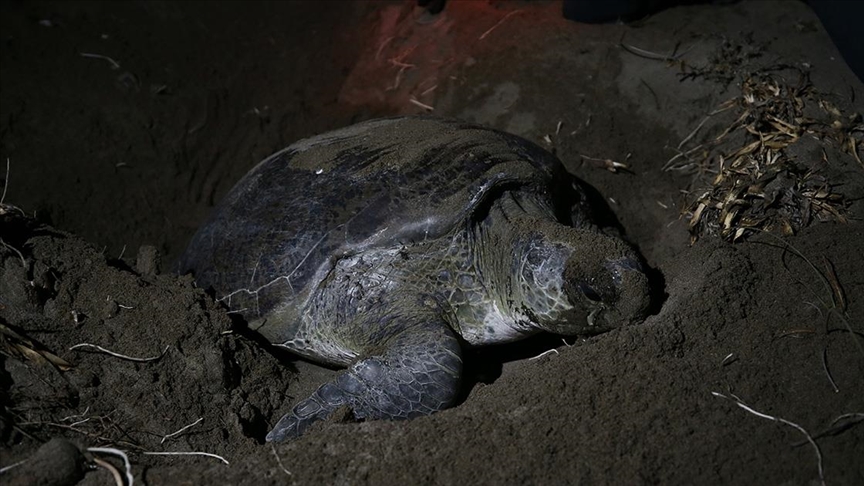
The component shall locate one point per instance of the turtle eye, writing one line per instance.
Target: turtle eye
(589, 292)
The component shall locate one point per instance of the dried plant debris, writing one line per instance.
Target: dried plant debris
(727, 62)
(14, 343)
(724, 65)
(748, 178)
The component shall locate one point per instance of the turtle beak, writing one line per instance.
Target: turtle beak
(633, 296)
(613, 295)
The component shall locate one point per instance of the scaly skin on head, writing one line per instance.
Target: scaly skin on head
(554, 277)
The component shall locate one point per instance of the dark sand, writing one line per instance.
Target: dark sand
(113, 159)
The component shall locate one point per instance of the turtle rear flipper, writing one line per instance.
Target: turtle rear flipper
(416, 372)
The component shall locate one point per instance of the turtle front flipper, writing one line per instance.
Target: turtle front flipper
(413, 373)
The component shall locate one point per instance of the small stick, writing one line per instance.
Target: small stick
(796, 331)
(11, 466)
(648, 54)
(827, 371)
(693, 133)
(673, 159)
(818, 309)
(118, 479)
(858, 416)
(401, 64)
(496, 25)
(782, 421)
(381, 47)
(71, 417)
(728, 359)
(428, 90)
(5, 183)
(23, 261)
(421, 104)
(608, 164)
(108, 299)
(73, 429)
(668, 164)
(118, 355)
(279, 459)
(850, 331)
(544, 353)
(186, 454)
(130, 480)
(238, 311)
(851, 419)
(183, 429)
(838, 296)
(825, 282)
(399, 76)
(653, 93)
(114, 64)
(653, 55)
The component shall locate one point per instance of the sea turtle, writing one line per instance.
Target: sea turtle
(390, 245)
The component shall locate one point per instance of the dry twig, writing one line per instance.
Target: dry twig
(15, 250)
(279, 460)
(4, 469)
(5, 183)
(207, 454)
(118, 479)
(118, 355)
(608, 164)
(91, 435)
(19, 345)
(638, 51)
(483, 36)
(182, 429)
(741, 404)
(114, 64)
(832, 288)
(414, 101)
(828, 371)
(839, 424)
(544, 353)
(130, 480)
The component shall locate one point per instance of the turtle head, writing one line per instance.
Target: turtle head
(578, 281)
